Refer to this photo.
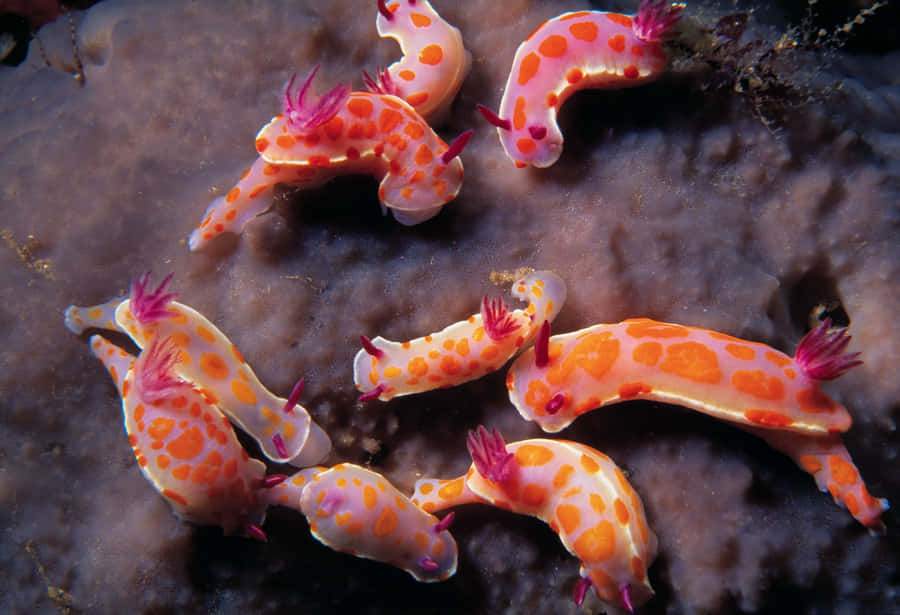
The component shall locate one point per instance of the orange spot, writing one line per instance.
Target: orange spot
(142, 461)
(562, 476)
(851, 503)
(533, 455)
(182, 472)
(692, 360)
(406, 75)
(257, 191)
(360, 107)
(174, 496)
(814, 401)
(740, 352)
(647, 353)
(533, 495)
(451, 490)
(417, 98)
(769, 418)
(637, 567)
(370, 497)
(449, 365)
(644, 327)
(597, 503)
(597, 543)
(842, 472)
(261, 145)
(406, 193)
(621, 511)
(637, 51)
(757, 384)
(489, 352)
(584, 31)
(352, 153)
(554, 46)
(552, 99)
(595, 354)
(574, 76)
(419, 20)
(243, 392)
(431, 55)
(213, 366)
(342, 518)
(633, 389)
(188, 445)
(413, 130)
(778, 359)
(355, 131)
(160, 427)
(230, 468)
(589, 464)
(319, 161)
(232, 195)
(388, 119)
(622, 20)
(631, 72)
(810, 463)
(423, 155)
(386, 523)
(334, 127)
(616, 43)
(426, 488)
(569, 517)
(525, 145)
(139, 412)
(519, 117)
(285, 142)
(392, 372)
(231, 215)
(529, 67)
(163, 461)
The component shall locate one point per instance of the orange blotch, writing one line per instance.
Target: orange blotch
(142, 461)
(231, 215)
(537, 396)
(644, 327)
(449, 365)
(182, 472)
(778, 359)
(356, 130)
(163, 461)
(810, 463)
(419, 20)
(740, 351)
(386, 523)
(529, 67)
(562, 476)
(230, 468)
(633, 389)
(285, 142)
(533, 455)
(574, 76)
(589, 464)
(637, 51)
(426, 488)
(595, 354)
(261, 145)
(647, 353)
(423, 155)
(417, 98)
(692, 360)
(431, 55)
(213, 366)
(622, 20)
(533, 495)
(814, 401)
(597, 503)
(333, 128)
(160, 427)
(617, 43)
(406, 75)
(489, 352)
(233, 195)
(631, 72)
(370, 497)
(554, 46)
(360, 107)
(569, 517)
(842, 472)
(257, 191)
(757, 384)
(352, 153)
(584, 31)
(388, 119)
(413, 130)
(768, 418)
(621, 511)
(597, 543)
(174, 496)
(188, 445)
(526, 145)
(319, 161)
(637, 567)
(139, 412)
(519, 117)
(451, 490)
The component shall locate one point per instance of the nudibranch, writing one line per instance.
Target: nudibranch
(434, 62)
(208, 360)
(577, 490)
(571, 52)
(357, 511)
(183, 444)
(735, 380)
(463, 351)
(341, 133)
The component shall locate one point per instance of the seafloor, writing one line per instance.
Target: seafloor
(742, 192)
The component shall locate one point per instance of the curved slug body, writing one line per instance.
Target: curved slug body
(463, 351)
(357, 511)
(434, 62)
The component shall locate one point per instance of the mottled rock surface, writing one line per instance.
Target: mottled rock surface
(672, 201)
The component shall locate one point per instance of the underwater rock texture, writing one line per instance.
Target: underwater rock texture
(671, 201)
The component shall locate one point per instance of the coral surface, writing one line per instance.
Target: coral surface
(684, 201)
